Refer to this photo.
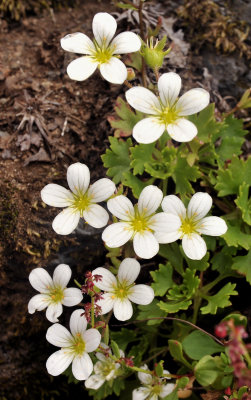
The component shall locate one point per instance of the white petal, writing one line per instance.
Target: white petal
(166, 390)
(126, 42)
(94, 382)
(164, 223)
(78, 322)
(58, 362)
(141, 294)
(163, 237)
(108, 281)
(40, 280)
(141, 393)
(192, 101)
(128, 271)
(149, 200)
(62, 275)
(213, 226)
(92, 340)
(106, 303)
(59, 336)
(104, 27)
(81, 68)
(77, 43)
(53, 311)
(101, 190)
(56, 195)
(143, 100)
(169, 85)
(194, 246)
(96, 216)
(115, 235)
(121, 207)
(182, 130)
(78, 177)
(38, 302)
(66, 221)
(114, 71)
(148, 130)
(145, 378)
(173, 205)
(82, 367)
(122, 309)
(145, 245)
(199, 205)
(72, 297)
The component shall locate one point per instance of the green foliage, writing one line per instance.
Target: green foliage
(162, 279)
(176, 350)
(229, 180)
(151, 311)
(242, 264)
(127, 119)
(117, 159)
(197, 345)
(219, 300)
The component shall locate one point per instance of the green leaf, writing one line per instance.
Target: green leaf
(198, 265)
(206, 123)
(172, 396)
(176, 351)
(141, 155)
(115, 349)
(159, 368)
(235, 235)
(183, 174)
(126, 6)
(173, 254)
(237, 318)
(243, 202)
(123, 337)
(222, 261)
(182, 382)
(242, 264)
(118, 386)
(206, 371)
(164, 166)
(231, 134)
(150, 311)
(127, 118)
(229, 180)
(162, 279)
(197, 345)
(135, 183)
(117, 159)
(219, 300)
(172, 307)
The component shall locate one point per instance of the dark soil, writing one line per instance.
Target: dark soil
(48, 122)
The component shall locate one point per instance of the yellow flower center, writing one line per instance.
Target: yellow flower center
(139, 222)
(102, 54)
(121, 290)
(156, 389)
(188, 226)
(81, 202)
(56, 294)
(78, 344)
(168, 115)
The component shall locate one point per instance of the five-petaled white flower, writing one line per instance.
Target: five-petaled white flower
(74, 347)
(102, 52)
(106, 369)
(139, 223)
(53, 291)
(80, 201)
(193, 223)
(153, 388)
(167, 112)
(121, 291)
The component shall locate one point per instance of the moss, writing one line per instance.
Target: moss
(16, 9)
(206, 24)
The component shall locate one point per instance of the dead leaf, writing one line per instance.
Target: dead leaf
(41, 155)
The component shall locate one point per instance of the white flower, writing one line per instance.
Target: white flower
(106, 369)
(121, 291)
(74, 347)
(167, 112)
(193, 223)
(153, 387)
(53, 291)
(139, 223)
(103, 52)
(80, 201)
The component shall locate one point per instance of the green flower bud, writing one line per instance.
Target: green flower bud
(153, 53)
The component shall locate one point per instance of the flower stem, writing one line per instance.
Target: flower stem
(92, 312)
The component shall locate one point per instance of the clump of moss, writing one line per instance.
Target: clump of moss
(207, 24)
(16, 9)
